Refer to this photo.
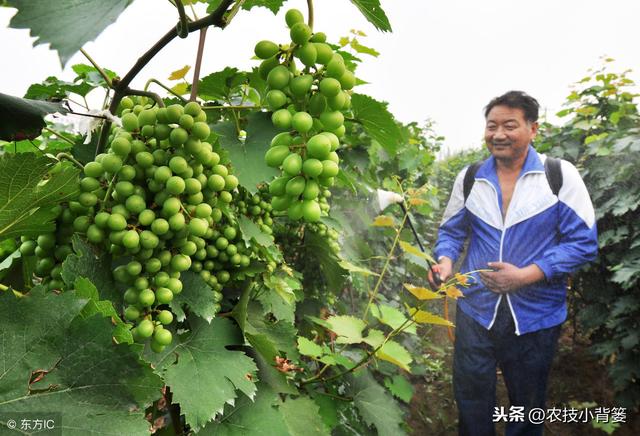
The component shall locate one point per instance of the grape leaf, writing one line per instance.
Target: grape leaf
(391, 316)
(90, 263)
(348, 328)
(422, 293)
(423, 317)
(85, 289)
(25, 203)
(270, 339)
(57, 362)
(216, 86)
(202, 373)
(373, 13)
(275, 379)
(22, 118)
(328, 409)
(197, 295)
(248, 158)
(375, 406)
(317, 247)
(377, 121)
(179, 74)
(257, 418)
(250, 231)
(56, 89)
(400, 388)
(391, 351)
(273, 5)
(302, 416)
(309, 348)
(68, 25)
(273, 303)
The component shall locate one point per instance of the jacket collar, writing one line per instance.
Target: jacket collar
(532, 163)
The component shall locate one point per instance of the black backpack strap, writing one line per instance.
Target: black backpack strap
(470, 178)
(553, 171)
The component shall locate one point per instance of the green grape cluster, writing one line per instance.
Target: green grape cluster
(161, 203)
(308, 107)
(329, 234)
(51, 249)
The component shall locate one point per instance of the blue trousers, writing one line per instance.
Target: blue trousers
(524, 360)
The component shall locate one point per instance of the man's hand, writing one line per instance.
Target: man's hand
(506, 277)
(444, 269)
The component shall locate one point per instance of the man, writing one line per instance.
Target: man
(526, 239)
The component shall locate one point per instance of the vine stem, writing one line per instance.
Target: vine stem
(214, 19)
(97, 67)
(310, 18)
(183, 25)
(406, 324)
(384, 268)
(196, 70)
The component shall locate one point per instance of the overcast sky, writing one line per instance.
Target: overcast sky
(444, 60)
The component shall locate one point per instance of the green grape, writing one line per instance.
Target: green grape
(278, 77)
(162, 336)
(266, 49)
(293, 16)
(300, 33)
(165, 317)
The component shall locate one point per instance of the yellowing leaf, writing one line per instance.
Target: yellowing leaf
(417, 201)
(422, 293)
(356, 269)
(423, 317)
(461, 278)
(344, 41)
(408, 248)
(453, 292)
(179, 74)
(374, 338)
(383, 221)
(395, 353)
(181, 88)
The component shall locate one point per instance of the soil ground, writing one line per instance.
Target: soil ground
(577, 378)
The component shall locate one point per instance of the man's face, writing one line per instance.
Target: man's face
(508, 134)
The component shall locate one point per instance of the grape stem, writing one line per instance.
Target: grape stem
(217, 18)
(97, 67)
(165, 87)
(196, 70)
(149, 94)
(70, 158)
(109, 190)
(9, 288)
(228, 107)
(310, 19)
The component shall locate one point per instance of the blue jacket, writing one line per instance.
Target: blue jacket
(556, 233)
